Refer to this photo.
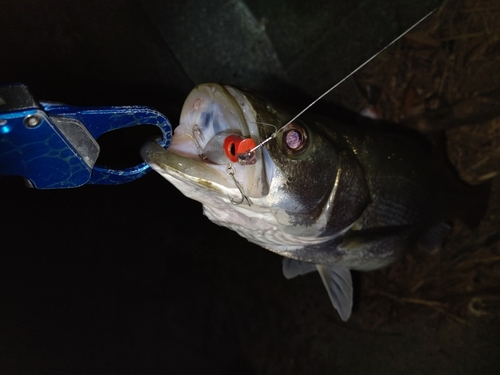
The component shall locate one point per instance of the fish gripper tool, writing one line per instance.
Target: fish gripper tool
(53, 145)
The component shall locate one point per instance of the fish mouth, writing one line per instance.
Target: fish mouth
(208, 110)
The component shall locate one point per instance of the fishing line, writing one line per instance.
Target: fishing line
(243, 158)
(265, 123)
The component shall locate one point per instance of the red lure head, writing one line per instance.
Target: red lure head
(235, 144)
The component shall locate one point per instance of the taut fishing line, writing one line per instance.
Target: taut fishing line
(248, 157)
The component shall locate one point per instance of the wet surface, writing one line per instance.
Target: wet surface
(133, 279)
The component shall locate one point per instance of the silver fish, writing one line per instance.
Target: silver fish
(326, 195)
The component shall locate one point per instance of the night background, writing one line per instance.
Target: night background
(133, 279)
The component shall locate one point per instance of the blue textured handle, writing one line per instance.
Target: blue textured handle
(39, 152)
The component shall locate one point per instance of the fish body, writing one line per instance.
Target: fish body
(326, 195)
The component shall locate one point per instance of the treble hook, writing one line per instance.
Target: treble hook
(197, 132)
(231, 171)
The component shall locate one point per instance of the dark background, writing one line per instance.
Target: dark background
(132, 278)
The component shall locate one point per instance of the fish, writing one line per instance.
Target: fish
(328, 195)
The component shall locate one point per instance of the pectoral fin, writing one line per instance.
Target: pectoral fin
(338, 284)
(337, 281)
(293, 268)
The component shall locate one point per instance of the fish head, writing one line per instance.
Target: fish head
(291, 188)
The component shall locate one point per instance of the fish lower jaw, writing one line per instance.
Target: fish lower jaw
(203, 191)
(172, 165)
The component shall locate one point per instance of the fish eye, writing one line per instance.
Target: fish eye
(294, 139)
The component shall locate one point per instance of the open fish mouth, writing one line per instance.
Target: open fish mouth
(208, 111)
